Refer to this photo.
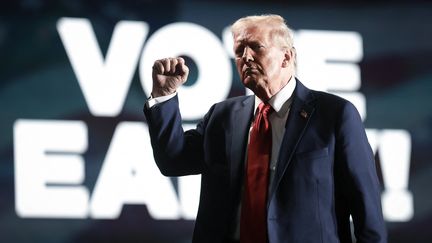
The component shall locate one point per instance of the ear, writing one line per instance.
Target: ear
(288, 55)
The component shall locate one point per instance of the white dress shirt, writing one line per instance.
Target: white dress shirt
(153, 101)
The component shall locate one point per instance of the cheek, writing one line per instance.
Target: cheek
(268, 64)
(269, 68)
(239, 65)
(272, 64)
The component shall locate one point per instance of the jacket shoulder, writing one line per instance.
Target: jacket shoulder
(326, 100)
(233, 103)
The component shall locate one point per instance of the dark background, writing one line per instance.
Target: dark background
(37, 82)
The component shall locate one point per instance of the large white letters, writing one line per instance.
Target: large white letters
(49, 171)
(104, 83)
(395, 151)
(129, 176)
(394, 148)
(49, 168)
(328, 61)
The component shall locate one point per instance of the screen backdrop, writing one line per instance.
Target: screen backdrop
(75, 158)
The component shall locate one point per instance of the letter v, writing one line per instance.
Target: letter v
(104, 84)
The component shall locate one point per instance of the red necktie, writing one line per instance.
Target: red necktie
(253, 221)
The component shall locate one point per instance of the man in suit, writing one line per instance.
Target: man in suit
(286, 165)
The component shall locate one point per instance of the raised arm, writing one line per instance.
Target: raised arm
(176, 152)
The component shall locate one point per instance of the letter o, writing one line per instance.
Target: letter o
(215, 74)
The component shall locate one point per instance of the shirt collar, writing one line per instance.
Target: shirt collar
(282, 100)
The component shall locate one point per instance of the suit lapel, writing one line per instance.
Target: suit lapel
(300, 113)
(242, 116)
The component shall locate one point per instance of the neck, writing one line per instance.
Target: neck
(266, 93)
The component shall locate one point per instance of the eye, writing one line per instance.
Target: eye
(239, 51)
(256, 46)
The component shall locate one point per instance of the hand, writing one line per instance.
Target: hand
(168, 74)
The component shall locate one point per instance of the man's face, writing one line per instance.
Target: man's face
(259, 59)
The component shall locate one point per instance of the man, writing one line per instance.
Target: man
(286, 165)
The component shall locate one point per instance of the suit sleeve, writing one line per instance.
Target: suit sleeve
(176, 152)
(356, 164)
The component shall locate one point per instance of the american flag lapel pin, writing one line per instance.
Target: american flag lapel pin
(304, 114)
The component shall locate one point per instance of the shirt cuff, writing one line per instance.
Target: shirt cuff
(154, 101)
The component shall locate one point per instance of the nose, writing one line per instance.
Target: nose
(247, 55)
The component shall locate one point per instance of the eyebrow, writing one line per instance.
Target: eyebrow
(253, 41)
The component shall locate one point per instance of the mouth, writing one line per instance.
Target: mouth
(249, 71)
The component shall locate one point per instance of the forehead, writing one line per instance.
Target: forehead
(259, 33)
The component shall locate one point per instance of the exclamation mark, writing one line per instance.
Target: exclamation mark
(395, 153)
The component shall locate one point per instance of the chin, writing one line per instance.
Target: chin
(250, 86)
(249, 82)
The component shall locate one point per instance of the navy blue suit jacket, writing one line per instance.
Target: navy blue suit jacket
(325, 171)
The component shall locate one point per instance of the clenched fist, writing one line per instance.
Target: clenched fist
(168, 74)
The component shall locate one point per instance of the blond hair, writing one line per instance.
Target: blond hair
(279, 29)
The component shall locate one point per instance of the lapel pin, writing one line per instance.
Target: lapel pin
(304, 114)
